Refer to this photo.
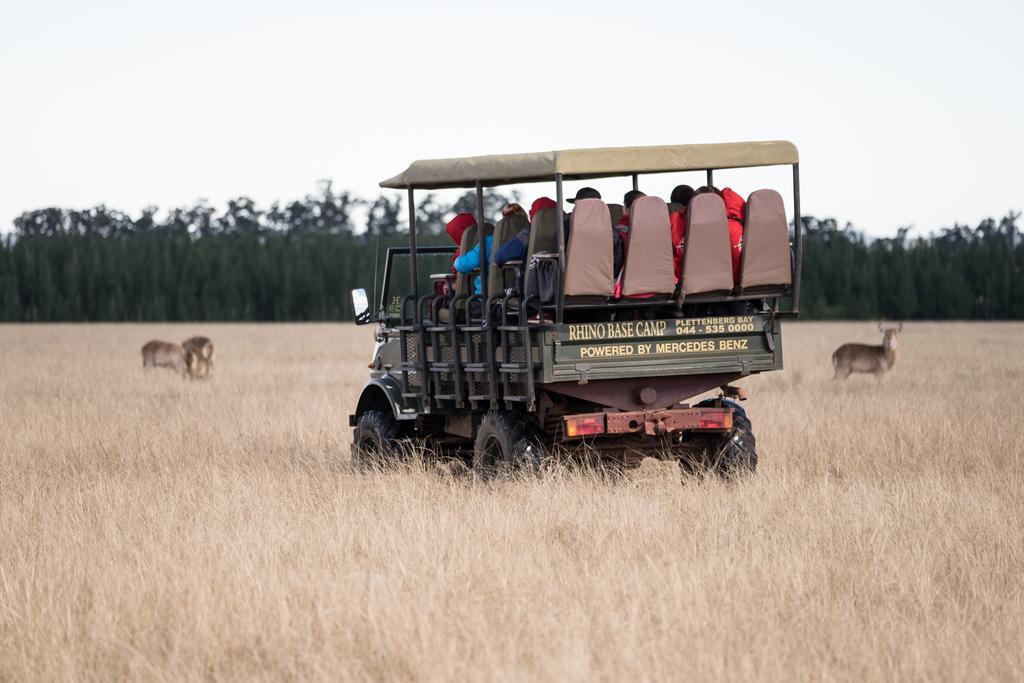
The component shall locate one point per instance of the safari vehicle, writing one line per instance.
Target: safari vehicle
(503, 377)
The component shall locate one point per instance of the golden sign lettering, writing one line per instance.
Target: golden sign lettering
(662, 348)
(633, 329)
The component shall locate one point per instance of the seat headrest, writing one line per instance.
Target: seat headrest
(589, 214)
(648, 210)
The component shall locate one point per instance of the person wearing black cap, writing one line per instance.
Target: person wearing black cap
(582, 193)
(585, 193)
(620, 232)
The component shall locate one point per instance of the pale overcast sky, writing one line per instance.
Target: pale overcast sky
(904, 113)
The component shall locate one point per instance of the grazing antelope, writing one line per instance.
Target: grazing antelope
(851, 358)
(161, 354)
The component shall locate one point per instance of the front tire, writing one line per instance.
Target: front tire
(506, 442)
(376, 440)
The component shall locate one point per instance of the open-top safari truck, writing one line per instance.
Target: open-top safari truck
(550, 352)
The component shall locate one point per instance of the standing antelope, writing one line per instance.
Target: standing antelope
(201, 345)
(851, 358)
(161, 354)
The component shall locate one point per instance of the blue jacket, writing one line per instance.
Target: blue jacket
(469, 262)
(514, 249)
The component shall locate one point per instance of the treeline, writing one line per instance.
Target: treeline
(959, 273)
(289, 262)
(298, 260)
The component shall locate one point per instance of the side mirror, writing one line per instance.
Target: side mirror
(360, 306)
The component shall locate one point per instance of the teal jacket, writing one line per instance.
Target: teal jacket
(469, 262)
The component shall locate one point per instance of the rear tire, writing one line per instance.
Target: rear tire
(735, 454)
(506, 442)
(376, 440)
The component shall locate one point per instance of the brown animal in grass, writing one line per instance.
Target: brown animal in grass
(201, 345)
(161, 354)
(866, 358)
(197, 366)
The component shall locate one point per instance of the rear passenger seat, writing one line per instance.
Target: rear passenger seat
(648, 268)
(497, 279)
(707, 256)
(766, 258)
(590, 260)
(543, 234)
(464, 281)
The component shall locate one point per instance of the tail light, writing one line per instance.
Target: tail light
(716, 420)
(584, 425)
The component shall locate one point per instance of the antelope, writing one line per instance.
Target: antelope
(161, 354)
(851, 358)
(201, 345)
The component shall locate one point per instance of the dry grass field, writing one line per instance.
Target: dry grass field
(158, 529)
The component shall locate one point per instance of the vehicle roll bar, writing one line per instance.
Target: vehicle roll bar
(487, 298)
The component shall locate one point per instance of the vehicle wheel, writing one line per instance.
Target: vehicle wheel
(735, 454)
(376, 440)
(506, 442)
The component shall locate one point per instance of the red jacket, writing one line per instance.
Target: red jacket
(735, 211)
(678, 225)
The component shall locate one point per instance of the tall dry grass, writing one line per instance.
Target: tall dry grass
(152, 528)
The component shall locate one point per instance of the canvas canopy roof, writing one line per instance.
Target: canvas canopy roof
(575, 164)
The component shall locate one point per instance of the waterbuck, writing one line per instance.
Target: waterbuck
(161, 354)
(201, 345)
(851, 358)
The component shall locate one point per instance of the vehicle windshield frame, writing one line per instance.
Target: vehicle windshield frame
(388, 269)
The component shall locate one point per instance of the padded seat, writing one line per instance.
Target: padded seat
(463, 281)
(707, 254)
(543, 234)
(648, 268)
(590, 259)
(766, 257)
(507, 228)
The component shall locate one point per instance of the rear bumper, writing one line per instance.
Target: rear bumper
(649, 422)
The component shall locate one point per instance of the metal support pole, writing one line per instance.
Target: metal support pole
(560, 220)
(482, 238)
(1012, 273)
(412, 248)
(797, 241)
(711, 178)
(636, 182)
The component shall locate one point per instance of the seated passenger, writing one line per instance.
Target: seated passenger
(515, 248)
(471, 261)
(621, 230)
(539, 204)
(681, 194)
(512, 208)
(455, 227)
(735, 211)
